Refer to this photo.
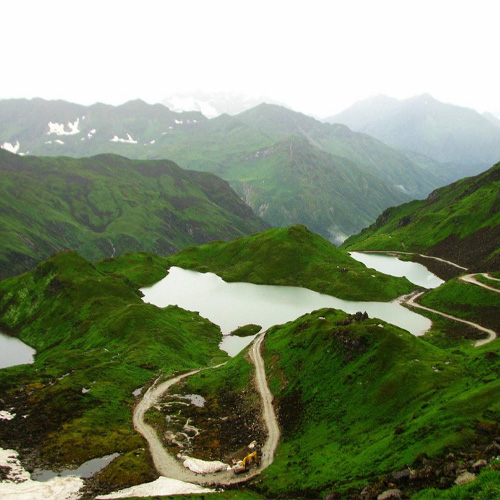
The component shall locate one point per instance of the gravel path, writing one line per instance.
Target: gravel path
(268, 414)
(388, 252)
(171, 467)
(471, 278)
(492, 335)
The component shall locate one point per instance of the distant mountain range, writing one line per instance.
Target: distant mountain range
(462, 140)
(107, 205)
(290, 168)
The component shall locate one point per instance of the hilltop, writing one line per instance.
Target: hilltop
(459, 222)
(292, 256)
(108, 205)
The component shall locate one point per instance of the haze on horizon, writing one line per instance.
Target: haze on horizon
(316, 57)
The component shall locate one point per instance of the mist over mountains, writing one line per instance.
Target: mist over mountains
(213, 104)
(462, 140)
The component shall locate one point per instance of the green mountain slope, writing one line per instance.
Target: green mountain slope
(291, 168)
(96, 342)
(292, 181)
(357, 402)
(292, 256)
(233, 147)
(369, 154)
(363, 407)
(107, 205)
(460, 222)
(460, 137)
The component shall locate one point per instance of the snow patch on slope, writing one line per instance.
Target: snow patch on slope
(13, 148)
(18, 484)
(6, 415)
(204, 466)
(60, 128)
(161, 487)
(129, 139)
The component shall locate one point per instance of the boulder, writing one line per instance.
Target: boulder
(390, 494)
(399, 475)
(479, 463)
(464, 478)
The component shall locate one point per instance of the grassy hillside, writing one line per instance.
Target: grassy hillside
(96, 343)
(465, 301)
(293, 181)
(292, 168)
(362, 408)
(357, 402)
(107, 205)
(292, 256)
(459, 222)
(366, 152)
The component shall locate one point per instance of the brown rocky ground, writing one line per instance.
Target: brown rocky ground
(218, 430)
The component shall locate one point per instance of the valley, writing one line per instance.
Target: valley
(352, 342)
(125, 279)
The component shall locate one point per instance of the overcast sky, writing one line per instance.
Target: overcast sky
(317, 57)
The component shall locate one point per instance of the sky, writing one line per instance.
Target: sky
(317, 57)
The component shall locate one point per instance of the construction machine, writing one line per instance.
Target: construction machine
(245, 464)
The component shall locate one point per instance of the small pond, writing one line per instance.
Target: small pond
(87, 469)
(14, 352)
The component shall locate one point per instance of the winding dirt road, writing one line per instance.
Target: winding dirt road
(388, 252)
(492, 335)
(468, 278)
(169, 466)
(471, 278)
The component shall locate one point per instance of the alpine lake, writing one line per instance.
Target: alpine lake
(233, 305)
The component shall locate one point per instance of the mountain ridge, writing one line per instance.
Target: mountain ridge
(221, 145)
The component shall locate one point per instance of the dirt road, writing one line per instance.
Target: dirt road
(171, 467)
(388, 252)
(471, 278)
(492, 335)
(268, 414)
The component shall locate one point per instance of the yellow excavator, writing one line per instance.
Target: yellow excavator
(245, 464)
